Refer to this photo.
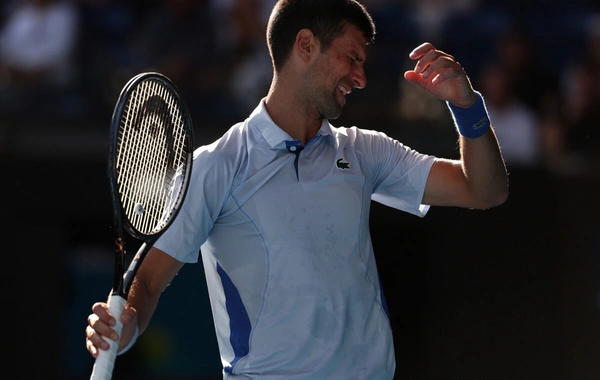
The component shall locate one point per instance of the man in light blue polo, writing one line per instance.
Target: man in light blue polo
(279, 207)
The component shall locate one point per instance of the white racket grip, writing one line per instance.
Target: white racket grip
(105, 362)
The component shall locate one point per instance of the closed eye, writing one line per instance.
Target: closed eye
(354, 59)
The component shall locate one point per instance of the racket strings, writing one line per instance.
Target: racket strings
(151, 151)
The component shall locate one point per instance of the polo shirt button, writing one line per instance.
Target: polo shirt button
(292, 148)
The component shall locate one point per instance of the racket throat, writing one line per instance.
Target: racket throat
(119, 267)
(134, 266)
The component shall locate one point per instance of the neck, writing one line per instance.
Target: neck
(291, 110)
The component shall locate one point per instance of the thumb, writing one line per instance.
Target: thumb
(130, 326)
(129, 315)
(413, 77)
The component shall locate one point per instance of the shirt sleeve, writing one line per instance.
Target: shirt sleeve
(398, 173)
(209, 184)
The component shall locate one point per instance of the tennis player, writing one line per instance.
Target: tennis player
(278, 207)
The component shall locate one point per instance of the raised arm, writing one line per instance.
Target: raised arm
(154, 275)
(479, 179)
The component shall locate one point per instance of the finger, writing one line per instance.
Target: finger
(413, 77)
(441, 63)
(426, 60)
(420, 50)
(445, 74)
(129, 314)
(95, 341)
(91, 348)
(98, 327)
(101, 310)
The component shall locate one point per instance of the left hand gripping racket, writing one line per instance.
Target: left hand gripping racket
(149, 164)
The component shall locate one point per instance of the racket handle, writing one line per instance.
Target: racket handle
(105, 362)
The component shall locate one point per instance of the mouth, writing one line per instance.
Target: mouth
(345, 91)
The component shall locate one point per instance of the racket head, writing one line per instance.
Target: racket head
(150, 155)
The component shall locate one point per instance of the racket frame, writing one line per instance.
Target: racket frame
(122, 281)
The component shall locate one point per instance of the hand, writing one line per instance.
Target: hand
(99, 326)
(441, 75)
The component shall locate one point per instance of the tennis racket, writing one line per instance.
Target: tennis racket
(149, 165)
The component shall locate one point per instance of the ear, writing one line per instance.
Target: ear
(306, 44)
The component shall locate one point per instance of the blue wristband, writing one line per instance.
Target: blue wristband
(471, 122)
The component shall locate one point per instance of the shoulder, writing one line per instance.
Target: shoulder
(361, 138)
(353, 133)
(224, 155)
(226, 146)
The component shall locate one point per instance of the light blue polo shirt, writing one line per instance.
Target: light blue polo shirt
(284, 235)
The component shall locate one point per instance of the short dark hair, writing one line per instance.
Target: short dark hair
(327, 19)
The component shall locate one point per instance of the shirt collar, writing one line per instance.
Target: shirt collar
(275, 136)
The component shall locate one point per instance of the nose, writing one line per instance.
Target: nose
(359, 77)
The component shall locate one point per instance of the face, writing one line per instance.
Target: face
(336, 72)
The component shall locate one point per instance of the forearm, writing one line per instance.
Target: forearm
(481, 159)
(484, 169)
(144, 306)
(144, 300)
(155, 273)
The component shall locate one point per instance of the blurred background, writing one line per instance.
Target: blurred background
(507, 293)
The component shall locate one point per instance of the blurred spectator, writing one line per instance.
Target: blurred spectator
(174, 37)
(581, 112)
(469, 29)
(514, 121)
(104, 53)
(177, 38)
(241, 35)
(552, 144)
(532, 80)
(37, 56)
(592, 43)
(572, 120)
(432, 15)
(227, 35)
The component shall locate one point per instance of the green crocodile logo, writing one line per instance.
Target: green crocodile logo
(341, 164)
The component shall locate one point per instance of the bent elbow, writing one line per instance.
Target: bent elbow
(500, 198)
(494, 200)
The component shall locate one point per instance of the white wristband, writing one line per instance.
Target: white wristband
(131, 342)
